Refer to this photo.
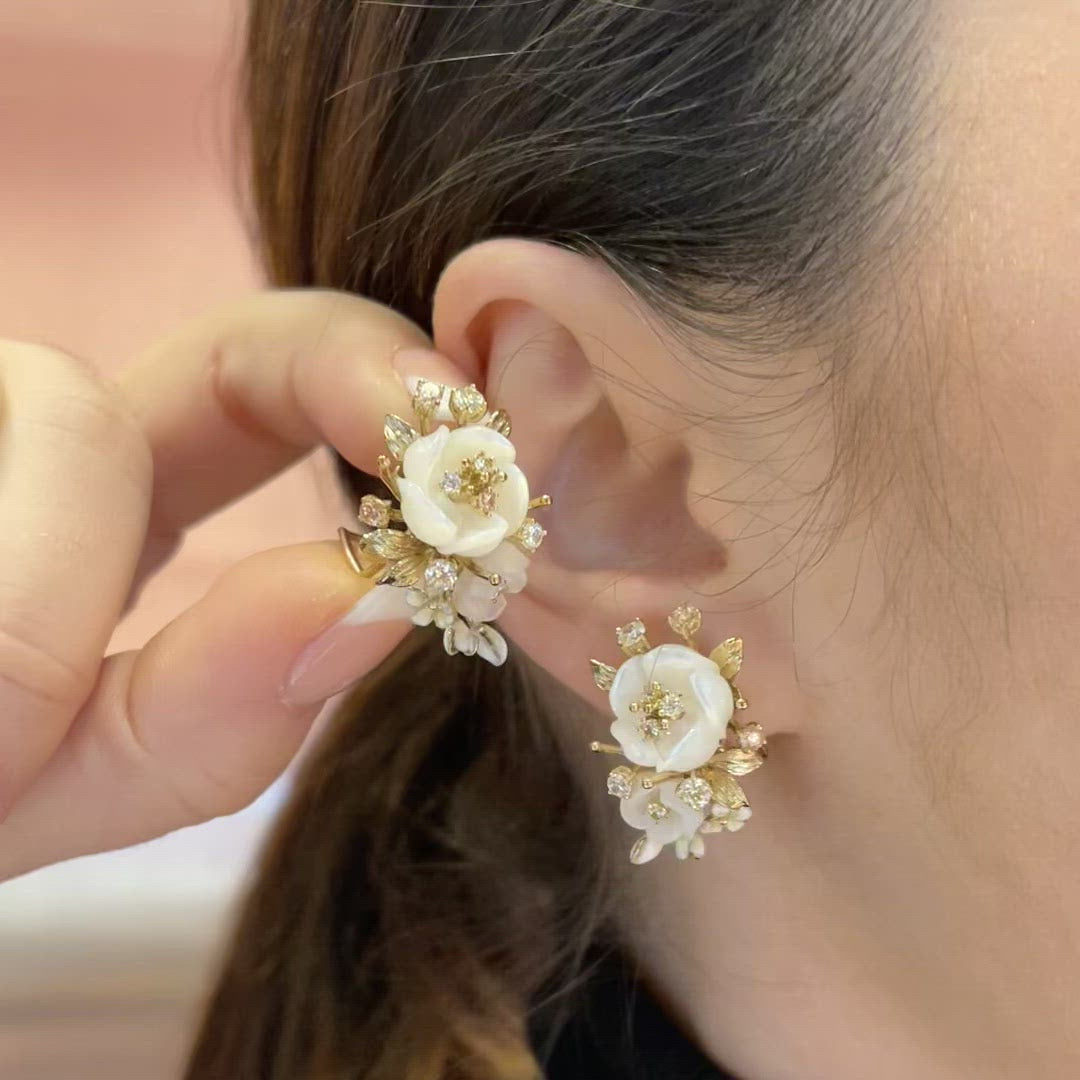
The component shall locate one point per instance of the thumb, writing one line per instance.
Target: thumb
(209, 712)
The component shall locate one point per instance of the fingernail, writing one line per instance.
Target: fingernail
(414, 364)
(341, 654)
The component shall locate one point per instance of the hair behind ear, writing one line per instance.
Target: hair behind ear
(433, 873)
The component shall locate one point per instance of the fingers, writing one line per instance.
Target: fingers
(75, 482)
(238, 395)
(198, 723)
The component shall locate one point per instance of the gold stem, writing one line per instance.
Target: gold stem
(650, 782)
(347, 536)
(604, 748)
(540, 500)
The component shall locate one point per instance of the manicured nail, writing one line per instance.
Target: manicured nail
(415, 364)
(341, 654)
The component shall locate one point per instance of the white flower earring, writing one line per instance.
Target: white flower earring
(675, 723)
(456, 536)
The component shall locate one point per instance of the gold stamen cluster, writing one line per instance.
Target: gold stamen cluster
(474, 482)
(659, 708)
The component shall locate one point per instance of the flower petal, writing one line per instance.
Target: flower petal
(681, 820)
(679, 661)
(713, 693)
(513, 498)
(423, 456)
(491, 645)
(460, 638)
(629, 684)
(510, 563)
(691, 747)
(424, 519)
(634, 748)
(466, 441)
(477, 534)
(477, 599)
(645, 850)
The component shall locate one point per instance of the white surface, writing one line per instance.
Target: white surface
(178, 886)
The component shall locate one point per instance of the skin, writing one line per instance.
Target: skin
(906, 900)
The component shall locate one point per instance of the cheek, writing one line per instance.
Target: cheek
(1009, 271)
(997, 404)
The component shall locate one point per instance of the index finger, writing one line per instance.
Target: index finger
(236, 396)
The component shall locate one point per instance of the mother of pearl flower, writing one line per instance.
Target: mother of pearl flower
(455, 526)
(662, 815)
(672, 708)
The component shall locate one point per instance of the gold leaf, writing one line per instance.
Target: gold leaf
(739, 762)
(467, 404)
(394, 544)
(727, 656)
(500, 421)
(385, 576)
(399, 435)
(726, 789)
(603, 674)
(408, 571)
(388, 474)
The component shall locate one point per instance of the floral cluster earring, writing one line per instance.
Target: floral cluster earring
(455, 536)
(675, 723)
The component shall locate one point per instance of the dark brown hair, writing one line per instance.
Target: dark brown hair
(737, 162)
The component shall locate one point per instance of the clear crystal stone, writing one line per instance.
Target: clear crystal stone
(695, 791)
(751, 737)
(669, 706)
(451, 483)
(374, 511)
(657, 810)
(620, 782)
(531, 534)
(427, 396)
(685, 620)
(631, 638)
(440, 576)
(657, 709)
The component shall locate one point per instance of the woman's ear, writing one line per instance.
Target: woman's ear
(557, 340)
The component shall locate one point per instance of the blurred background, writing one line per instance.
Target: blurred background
(119, 216)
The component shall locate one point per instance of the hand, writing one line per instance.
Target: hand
(97, 484)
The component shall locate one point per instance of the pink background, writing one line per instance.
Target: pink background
(119, 216)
